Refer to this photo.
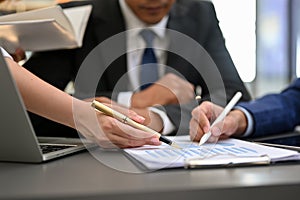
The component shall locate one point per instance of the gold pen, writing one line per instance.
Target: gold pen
(126, 120)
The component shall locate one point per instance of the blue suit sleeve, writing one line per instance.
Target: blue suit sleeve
(275, 113)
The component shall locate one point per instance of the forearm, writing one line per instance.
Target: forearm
(149, 97)
(42, 98)
(275, 113)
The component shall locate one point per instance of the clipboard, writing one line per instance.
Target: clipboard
(194, 163)
(226, 153)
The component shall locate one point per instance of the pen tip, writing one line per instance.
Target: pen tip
(204, 138)
(175, 145)
(201, 143)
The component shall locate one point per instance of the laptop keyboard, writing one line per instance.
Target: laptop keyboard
(48, 148)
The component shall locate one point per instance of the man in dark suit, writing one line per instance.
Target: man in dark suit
(270, 114)
(200, 60)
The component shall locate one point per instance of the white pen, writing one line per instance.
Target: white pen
(223, 114)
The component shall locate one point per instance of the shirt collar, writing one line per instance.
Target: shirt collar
(133, 22)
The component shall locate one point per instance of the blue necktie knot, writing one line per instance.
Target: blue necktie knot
(148, 36)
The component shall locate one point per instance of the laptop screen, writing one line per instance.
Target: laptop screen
(18, 140)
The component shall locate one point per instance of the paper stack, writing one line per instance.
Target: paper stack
(44, 29)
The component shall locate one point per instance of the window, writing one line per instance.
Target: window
(237, 21)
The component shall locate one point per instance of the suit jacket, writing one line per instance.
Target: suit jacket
(195, 19)
(276, 113)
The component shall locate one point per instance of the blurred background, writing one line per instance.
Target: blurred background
(262, 36)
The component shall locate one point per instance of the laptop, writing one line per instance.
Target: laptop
(19, 142)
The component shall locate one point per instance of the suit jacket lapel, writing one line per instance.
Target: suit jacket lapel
(109, 23)
(180, 21)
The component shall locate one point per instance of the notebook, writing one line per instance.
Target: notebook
(18, 141)
(57, 28)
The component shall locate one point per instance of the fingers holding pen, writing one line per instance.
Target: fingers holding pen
(123, 135)
(200, 122)
(233, 124)
(113, 130)
(202, 116)
(196, 127)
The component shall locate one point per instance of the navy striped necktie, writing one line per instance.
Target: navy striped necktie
(149, 68)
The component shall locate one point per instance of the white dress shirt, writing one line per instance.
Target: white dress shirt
(250, 121)
(135, 47)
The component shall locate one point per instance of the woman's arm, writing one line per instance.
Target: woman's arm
(43, 99)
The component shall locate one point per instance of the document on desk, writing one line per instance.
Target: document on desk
(230, 152)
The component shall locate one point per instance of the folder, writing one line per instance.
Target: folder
(225, 153)
(195, 163)
(49, 28)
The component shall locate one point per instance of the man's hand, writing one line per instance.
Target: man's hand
(170, 89)
(235, 123)
(19, 55)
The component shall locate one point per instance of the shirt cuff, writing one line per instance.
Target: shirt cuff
(124, 98)
(167, 124)
(250, 121)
